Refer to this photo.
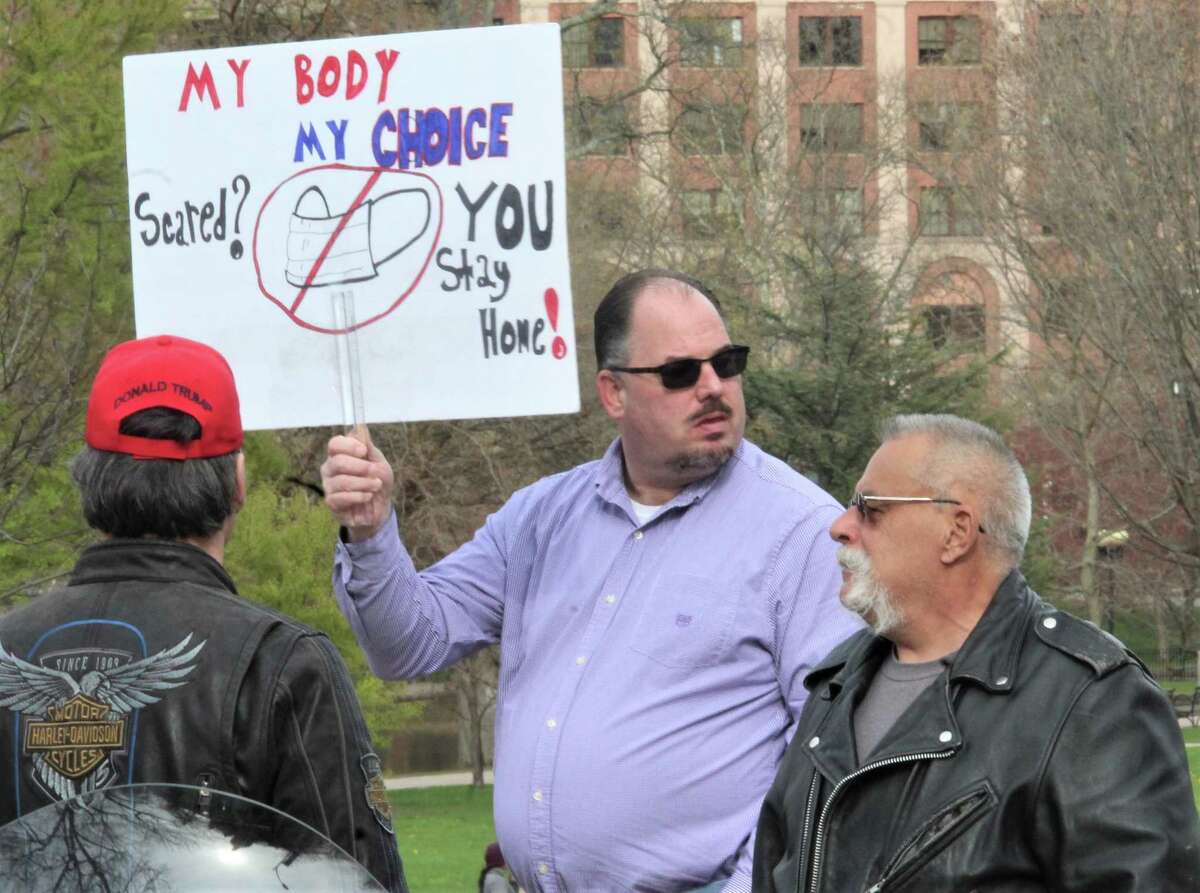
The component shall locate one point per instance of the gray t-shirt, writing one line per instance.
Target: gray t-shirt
(895, 686)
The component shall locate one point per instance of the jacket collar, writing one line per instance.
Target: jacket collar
(988, 658)
(992, 651)
(151, 560)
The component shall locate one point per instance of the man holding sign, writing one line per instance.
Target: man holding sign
(656, 611)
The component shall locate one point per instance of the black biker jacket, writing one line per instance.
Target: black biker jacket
(148, 667)
(1044, 758)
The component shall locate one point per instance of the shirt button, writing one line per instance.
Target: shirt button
(946, 737)
(537, 795)
(1049, 623)
(1003, 680)
(610, 599)
(637, 534)
(543, 868)
(581, 660)
(814, 741)
(551, 723)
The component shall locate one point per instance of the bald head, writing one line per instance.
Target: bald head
(614, 315)
(965, 455)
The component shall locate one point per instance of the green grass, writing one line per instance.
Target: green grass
(1179, 685)
(1192, 736)
(442, 833)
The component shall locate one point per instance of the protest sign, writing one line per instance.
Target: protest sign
(421, 173)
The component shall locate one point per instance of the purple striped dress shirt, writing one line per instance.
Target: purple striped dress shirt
(649, 674)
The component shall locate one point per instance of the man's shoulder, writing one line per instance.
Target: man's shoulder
(772, 478)
(176, 603)
(560, 485)
(1080, 640)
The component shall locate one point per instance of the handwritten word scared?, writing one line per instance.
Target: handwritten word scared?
(510, 215)
(426, 137)
(193, 222)
(329, 77)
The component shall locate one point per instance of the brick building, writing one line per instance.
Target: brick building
(857, 75)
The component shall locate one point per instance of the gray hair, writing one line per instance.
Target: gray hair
(974, 455)
(164, 498)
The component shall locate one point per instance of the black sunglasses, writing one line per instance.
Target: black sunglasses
(684, 373)
(859, 501)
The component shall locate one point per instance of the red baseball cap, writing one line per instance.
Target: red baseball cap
(170, 371)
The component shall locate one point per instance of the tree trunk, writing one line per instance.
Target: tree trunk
(472, 705)
(1087, 569)
(477, 752)
(1161, 634)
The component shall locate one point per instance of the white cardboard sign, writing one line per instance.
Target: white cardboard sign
(422, 173)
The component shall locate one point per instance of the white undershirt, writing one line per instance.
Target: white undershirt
(644, 512)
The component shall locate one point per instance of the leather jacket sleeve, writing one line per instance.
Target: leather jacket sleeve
(323, 770)
(1111, 801)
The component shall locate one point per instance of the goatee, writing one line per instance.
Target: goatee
(866, 596)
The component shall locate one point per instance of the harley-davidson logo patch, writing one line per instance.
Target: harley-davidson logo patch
(75, 736)
(77, 705)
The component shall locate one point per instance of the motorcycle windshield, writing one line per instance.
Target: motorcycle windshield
(151, 838)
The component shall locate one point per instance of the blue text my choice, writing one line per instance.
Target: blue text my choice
(425, 137)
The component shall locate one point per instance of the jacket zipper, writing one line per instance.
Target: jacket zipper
(810, 807)
(819, 837)
(904, 859)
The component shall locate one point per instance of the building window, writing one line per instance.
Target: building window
(597, 128)
(839, 210)
(715, 129)
(960, 325)
(948, 40)
(945, 126)
(831, 127)
(710, 43)
(706, 214)
(599, 43)
(948, 212)
(830, 40)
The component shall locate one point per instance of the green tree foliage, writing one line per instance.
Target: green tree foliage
(52, 531)
(281, 555)
(64, 238)
(841, 364)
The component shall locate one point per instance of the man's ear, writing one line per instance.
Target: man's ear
(961, 537)
(239, 482)
(611, 393)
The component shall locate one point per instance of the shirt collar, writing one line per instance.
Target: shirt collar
(609, 479)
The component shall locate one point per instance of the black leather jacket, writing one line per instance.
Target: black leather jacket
(1044, 758)
(148, 667)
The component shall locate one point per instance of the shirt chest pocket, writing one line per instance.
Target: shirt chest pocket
(686, 621)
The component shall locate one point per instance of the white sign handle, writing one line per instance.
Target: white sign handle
(349, 368)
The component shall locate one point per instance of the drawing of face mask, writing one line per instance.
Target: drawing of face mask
(324, 248)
